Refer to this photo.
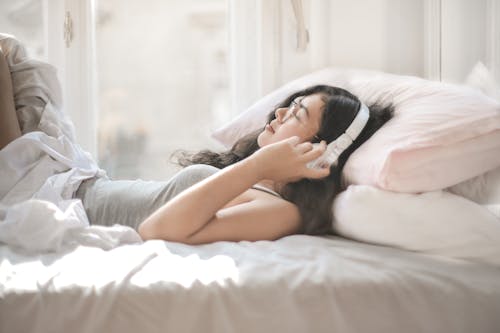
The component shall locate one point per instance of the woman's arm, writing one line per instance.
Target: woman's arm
(189, 211)
(196, 217)
(9, 125)
(188, 216)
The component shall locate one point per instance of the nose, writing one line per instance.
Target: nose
(280, 114)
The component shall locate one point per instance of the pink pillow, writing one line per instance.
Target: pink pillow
(441, 134)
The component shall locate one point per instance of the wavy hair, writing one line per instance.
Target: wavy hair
(313, 197)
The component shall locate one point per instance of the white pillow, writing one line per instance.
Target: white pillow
(436, 222)
(483, 80)
(485, 188)
(435, 140)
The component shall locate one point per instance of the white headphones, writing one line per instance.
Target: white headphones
(339, 145)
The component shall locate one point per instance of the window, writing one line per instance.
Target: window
(162, 82)
(25, 20)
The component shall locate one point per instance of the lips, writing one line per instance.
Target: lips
(269, 128)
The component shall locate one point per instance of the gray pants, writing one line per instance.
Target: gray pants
(129, 202)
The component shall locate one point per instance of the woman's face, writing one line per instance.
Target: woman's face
(302, 118)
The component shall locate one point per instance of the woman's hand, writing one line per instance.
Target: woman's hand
(287, 160)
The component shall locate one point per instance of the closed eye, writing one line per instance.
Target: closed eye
(298, 114)
(295, 107)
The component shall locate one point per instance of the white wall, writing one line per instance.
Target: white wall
(437, 39)
(470, 33)
(385, 35)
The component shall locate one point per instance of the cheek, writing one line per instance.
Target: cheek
(289, 131)
(284, 132)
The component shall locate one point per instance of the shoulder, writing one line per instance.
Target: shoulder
(201, 168)
(197, 172)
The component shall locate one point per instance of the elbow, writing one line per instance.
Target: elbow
(146, 231)
(150, 229)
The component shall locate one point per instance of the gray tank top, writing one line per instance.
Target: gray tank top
(129, 202)
(197, 172)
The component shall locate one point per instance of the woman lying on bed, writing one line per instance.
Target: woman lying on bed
(271, 183)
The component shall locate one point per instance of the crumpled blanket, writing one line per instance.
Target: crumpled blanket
(41, 170)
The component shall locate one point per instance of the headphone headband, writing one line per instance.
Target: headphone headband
(339, 145)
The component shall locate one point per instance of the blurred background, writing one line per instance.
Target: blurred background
(162, 77)
(142, 79)
(157, 79)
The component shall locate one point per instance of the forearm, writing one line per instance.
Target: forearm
(192, 209)
(9, 125)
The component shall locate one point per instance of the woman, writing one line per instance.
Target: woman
(264, 188)
(275, 157)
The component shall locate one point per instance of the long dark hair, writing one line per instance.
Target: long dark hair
(313, 197)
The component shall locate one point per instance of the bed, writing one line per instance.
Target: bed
(59, 274)
(297, 284)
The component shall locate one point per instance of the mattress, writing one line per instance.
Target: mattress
(296, 284)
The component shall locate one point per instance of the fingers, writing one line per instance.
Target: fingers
(304, 147)
(293, 140)
(315, 152)
(318, 173)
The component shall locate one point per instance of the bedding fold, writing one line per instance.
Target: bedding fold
(41, 170)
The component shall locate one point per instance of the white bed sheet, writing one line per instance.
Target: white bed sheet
(296, 284)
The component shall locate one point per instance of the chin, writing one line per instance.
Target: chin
(261, 140)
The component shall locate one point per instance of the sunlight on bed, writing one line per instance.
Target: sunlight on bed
(188, 270)
(145, 265)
